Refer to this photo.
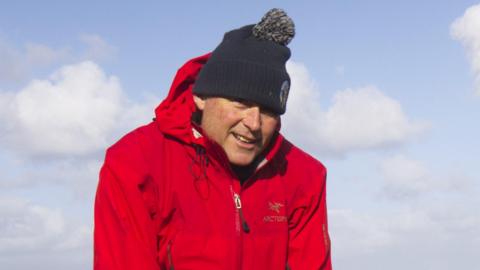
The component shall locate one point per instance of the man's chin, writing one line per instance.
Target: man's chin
(240, 159)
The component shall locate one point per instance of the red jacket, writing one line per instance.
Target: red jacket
(168, 199)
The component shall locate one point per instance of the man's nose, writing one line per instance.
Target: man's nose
(252, 119)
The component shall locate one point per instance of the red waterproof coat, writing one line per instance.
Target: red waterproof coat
(168, 199)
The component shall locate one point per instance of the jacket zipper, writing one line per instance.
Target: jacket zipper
(238, 204)
(240, 224)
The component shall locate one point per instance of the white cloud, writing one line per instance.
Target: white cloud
(406, 178)
(366, 118)
(362, 118)
(69, 113)
(75, 112)
(466, 29)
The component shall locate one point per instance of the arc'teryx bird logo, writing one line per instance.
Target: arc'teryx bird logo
(275, 206)
(277, 217)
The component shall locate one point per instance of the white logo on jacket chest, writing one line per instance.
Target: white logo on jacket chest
(276, 208)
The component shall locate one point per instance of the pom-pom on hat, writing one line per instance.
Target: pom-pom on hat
(249, 63)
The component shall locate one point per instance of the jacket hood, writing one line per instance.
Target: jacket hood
(174, 114)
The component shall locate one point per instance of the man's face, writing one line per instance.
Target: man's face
(243, 129)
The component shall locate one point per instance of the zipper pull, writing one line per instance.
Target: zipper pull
(238, 202)
(238, 205)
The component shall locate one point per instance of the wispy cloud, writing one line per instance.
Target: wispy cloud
(97, 48)
(30, 227)
(19, 62)
(39, 233)
(396, 240)
(406, 178)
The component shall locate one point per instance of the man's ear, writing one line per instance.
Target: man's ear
(199, 102)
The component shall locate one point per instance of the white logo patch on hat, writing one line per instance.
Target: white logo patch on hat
(284, 93)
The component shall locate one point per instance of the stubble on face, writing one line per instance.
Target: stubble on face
(242, 129)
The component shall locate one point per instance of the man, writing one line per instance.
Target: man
(211, 183)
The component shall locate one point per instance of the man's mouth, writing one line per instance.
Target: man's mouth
(244, 139)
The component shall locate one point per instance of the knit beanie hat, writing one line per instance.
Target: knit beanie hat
(249, 63)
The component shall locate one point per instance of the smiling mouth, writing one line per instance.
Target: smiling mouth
(244, 139)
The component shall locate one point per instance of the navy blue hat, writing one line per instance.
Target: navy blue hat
(249, 64)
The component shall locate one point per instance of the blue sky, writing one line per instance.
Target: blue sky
(387, 95)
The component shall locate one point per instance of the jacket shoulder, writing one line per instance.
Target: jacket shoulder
(303, 170)
(299, 158)
(134, 148)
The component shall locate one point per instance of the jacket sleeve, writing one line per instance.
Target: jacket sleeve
(124, 235)
(309, 242)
